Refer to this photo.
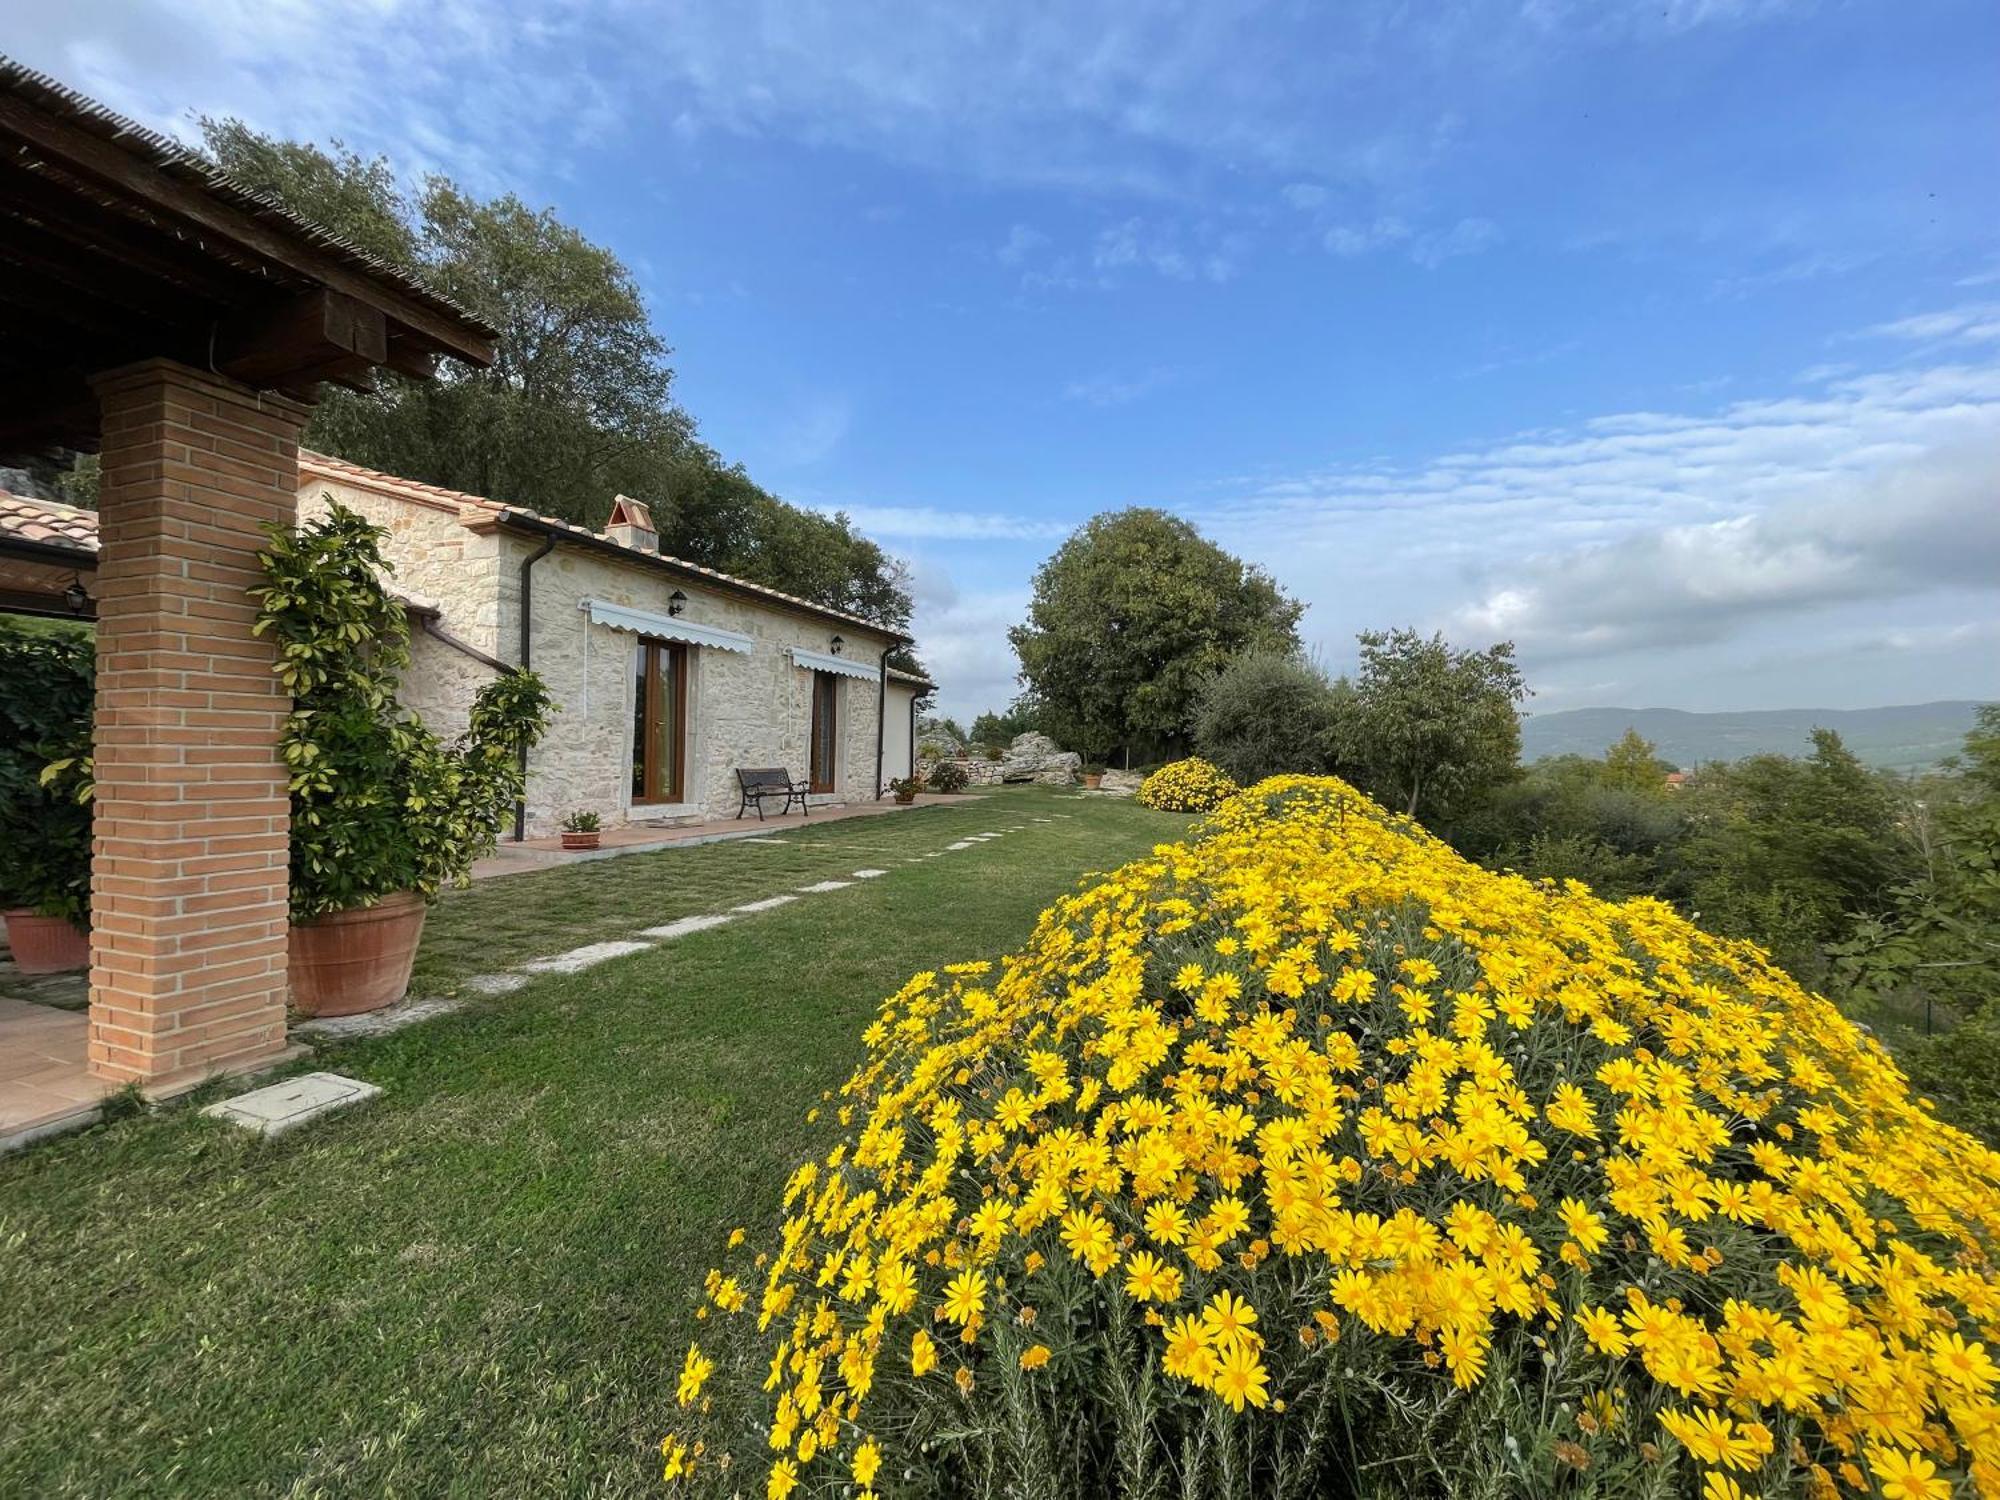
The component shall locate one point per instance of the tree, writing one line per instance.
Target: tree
(1129, 617)
(1788, 853)
(1265, 714)
(1632, 766)
(578, 405)
(1940, 934)
(1437, 727)
(1003, 728)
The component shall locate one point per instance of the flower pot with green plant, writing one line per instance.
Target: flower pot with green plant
(946, 776)
(385, 814)
(46, 688)
(580, 830)
(1093, 776)
(905, 788)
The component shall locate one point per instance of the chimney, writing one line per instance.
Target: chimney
(631, 524)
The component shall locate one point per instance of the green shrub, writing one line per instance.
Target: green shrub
(379, 803)
(47, 684)
(1267, 715)
(946, 776)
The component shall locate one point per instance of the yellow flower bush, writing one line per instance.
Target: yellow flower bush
(1191, 785)
(1306, 1157)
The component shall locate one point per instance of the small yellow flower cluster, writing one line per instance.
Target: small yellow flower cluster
(1191, 785)
(1312, 1071)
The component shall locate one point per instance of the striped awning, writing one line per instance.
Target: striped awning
(826, 661)
(665, 627)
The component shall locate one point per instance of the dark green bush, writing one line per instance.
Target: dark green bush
(47, 683)
(946, 776)
(1268, 715)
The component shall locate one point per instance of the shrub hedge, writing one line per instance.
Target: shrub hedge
(1308, 1158)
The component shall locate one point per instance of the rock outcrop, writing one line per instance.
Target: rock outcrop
(1035, 757)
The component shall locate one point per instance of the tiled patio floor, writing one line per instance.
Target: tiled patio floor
(636, 838)
(42, 1076)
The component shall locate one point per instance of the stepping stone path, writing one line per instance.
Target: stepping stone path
(592, 954)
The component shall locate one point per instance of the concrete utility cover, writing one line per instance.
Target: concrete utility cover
(278, 1107)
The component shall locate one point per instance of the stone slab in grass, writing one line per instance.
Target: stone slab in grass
(496, 984)
(587, 957)
(868, 874)
(279, 1107)
(392, 1017)
(765, 905)
(824, 885)
(685, 925)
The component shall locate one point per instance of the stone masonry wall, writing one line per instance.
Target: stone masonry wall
(746, 709)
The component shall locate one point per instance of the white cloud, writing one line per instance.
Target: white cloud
(1120, 390)
(931, 523)
(962, 639)
(1359, 239)
(1466, 237)
(1634, 538)
(1975, 323)
(1022, 241)
(813, 431)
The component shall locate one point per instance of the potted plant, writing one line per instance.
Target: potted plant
(905, 788)
(946, 776)
(384, 813)
(580, 830)
(1093, 776)
(46, 689)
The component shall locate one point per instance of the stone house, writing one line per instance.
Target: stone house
(667, 676)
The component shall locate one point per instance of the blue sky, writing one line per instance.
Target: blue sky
(1663, 339)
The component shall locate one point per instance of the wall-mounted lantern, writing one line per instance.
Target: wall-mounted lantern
(676, 602)
(76, 596)
(837, 644)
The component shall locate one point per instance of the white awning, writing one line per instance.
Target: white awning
(666, 627)
(825, 661)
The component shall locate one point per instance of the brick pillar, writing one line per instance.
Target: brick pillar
(190, 849)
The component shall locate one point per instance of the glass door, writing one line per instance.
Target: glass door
(825, 730)
(659, 722)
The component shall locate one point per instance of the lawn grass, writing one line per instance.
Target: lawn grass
(478, 1284)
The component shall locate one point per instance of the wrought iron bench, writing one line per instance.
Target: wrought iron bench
(774, 782)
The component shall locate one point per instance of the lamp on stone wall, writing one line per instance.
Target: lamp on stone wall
(837, 644)
(676, 602)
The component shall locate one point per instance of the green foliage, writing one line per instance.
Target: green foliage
(581, 821)
(1570, 818)
(1004, 728)
(1959, 1071)
(379, 803)
(1789, 852)
(47, 682)
(1267, 714)
(1939, 936)
(578, 405)
(1631, 765)
(1129, 617)
(946, 776)
(1437, 728)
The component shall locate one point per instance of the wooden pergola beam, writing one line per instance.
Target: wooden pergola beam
(77, 150)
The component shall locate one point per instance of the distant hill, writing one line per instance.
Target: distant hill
(1902, 738)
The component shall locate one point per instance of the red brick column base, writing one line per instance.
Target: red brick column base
(188, 876)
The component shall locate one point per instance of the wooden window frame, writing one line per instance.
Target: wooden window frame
(650, 792)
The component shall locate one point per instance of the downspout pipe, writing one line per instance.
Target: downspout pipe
(881, 718)
(527, 655)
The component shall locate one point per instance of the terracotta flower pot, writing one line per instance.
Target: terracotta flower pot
(46, 945)
(1093, 782)
(581, 840)
(905, 798)
(352, 961)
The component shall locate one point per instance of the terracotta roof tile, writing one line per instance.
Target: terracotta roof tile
(47, 521)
